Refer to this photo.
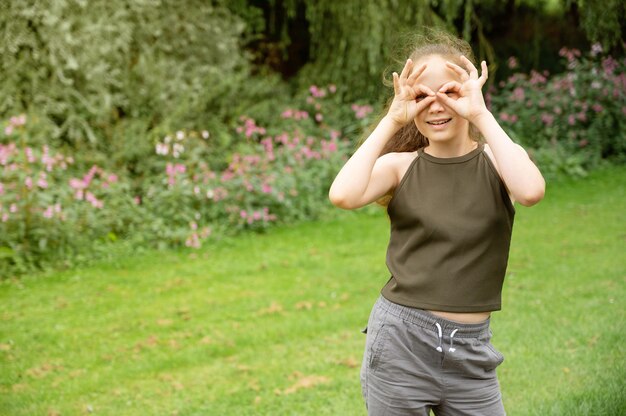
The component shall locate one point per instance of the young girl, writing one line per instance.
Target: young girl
(450, 196)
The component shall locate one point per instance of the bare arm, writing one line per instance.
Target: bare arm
(519, 173)
(366, 177)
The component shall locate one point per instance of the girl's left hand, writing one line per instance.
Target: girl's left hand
(466, 97)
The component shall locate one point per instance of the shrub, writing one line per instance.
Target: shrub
(54, 208)
(49, 208)
(574, 119)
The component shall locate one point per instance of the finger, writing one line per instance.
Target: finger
(421, 105)
(454, 86)
(484, 73)
(470, 67)
(416, 73)
(406, 70)
(447, 101)
(423, 88)
(396, 87)
(460, 71)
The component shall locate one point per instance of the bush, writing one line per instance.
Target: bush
(573, 120)
(54, 208)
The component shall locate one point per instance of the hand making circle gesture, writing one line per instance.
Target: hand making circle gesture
(469, 103)
(405, 106)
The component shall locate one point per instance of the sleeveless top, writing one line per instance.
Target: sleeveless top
(451, 223)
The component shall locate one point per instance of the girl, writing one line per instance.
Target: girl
(449, 195)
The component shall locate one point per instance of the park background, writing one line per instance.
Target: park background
(166, 241)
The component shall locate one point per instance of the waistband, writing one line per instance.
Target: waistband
(429, 321)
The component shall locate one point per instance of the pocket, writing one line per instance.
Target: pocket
(376, 330)
(498, 355)
(477, 359)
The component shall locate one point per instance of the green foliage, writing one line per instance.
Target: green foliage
(572, 120)
(55, 208)
(349, 42)
(603, 21)
(88, 66)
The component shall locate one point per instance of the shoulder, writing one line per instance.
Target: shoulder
(398, 162)
(395, 164)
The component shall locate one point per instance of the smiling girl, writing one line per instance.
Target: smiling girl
(449, 175)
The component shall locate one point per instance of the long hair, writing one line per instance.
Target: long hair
(429, 42)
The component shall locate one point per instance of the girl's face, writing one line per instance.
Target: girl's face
(437, 122)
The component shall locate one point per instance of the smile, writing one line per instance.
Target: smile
(439, 122)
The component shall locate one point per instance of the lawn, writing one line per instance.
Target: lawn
(270, 324)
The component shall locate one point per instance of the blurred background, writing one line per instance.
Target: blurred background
(149, 148)
(165, 123)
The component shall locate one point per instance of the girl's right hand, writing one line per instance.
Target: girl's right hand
(409, 97)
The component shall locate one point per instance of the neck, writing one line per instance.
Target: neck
(451, 149)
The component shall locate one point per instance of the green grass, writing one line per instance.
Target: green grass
(270, 324)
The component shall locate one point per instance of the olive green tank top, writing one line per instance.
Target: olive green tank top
(451, 222)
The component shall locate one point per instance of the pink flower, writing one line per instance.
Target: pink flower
(571, 119)
(597, 108)
(319, 117)
(42, 183)
(29, 155)
(5, 217)
(193, 241)
(332, 88)
(77, 184)
(265, 188)
(317, 92)
(137, 200)
(547, 119)
(243, 214)
(512, 62)
(361, 111)
(13, 208)
(518, 94)
(48, 213)
(28, 182)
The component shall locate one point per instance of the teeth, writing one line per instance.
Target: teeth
(437, 123)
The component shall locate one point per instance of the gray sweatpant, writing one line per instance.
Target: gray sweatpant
(415, 361)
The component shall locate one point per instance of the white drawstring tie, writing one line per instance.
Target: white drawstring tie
(452, 349)
(440, 333)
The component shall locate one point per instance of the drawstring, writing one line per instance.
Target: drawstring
(439, 348)
(452, 349)
(440, 333)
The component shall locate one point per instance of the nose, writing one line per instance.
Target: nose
(435, 106)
